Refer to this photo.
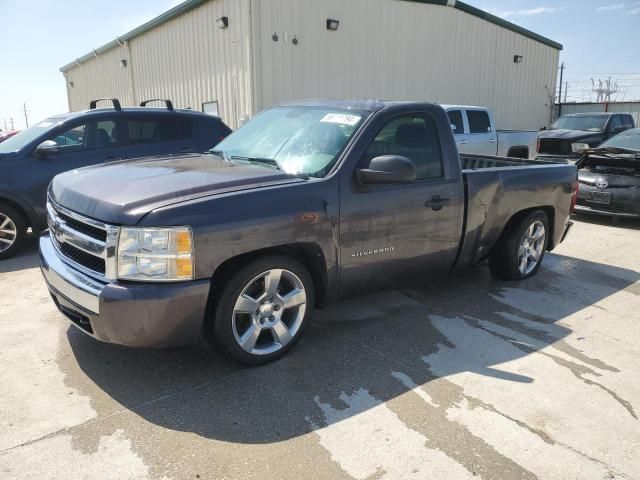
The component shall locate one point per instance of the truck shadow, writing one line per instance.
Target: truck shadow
(374, 348)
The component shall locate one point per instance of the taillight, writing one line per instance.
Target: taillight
(574, 197)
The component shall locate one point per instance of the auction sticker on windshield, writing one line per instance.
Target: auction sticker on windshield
(341, 118)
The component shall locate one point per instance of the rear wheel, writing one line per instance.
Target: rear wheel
(262, 311)
(521, 248)
(13, 231)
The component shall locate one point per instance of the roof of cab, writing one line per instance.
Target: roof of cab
(366, 105)
(589, 114)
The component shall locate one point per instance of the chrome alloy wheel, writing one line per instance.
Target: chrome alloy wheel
(531, 247)
(8, 232)
(269, 312)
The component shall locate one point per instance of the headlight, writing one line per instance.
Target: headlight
(576, 147)
(155, 254)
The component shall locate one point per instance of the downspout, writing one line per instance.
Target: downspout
(252, 65)
(132, 85)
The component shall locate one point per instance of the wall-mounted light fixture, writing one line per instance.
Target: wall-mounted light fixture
(123, 63)
(274, 37)
(223, 22)
(517, 59)
(71, 84)
(332, 24)
(294, 40)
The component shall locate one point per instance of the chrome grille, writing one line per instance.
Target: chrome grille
(84, 243)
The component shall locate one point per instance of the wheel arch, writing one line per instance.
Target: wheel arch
(518, 151)
(307, 253)
(517, 216)
(20, 208)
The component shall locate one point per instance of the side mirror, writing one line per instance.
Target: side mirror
(46, 148)
(388, 169)
(543, 128)
(453, 127)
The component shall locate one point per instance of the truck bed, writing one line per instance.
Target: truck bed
(498, 187)
(472, 161)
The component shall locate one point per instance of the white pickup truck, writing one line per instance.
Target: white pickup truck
(475, 132)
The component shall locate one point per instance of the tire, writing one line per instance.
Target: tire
(252, 324)
(518, 152)
(13, 231)
(518, 254)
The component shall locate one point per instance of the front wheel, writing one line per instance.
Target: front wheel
(521, 248)
(13, 231)
(262, 311)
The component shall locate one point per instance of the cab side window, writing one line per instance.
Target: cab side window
(478, 121)
(105, 134)
(159, 129)
(615, 124)
(455, 119)
(413, 136)
(627, 121)
(72, 139)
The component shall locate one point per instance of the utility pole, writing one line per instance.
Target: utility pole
(11, 122)
(566, 89)
(25, 111)
(560, 92)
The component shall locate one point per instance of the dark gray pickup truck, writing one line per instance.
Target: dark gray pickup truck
(306, 204)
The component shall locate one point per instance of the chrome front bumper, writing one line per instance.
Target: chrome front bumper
(77, 287)
(127, 313)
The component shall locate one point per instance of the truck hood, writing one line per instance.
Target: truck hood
(122, 193)
(564, 134)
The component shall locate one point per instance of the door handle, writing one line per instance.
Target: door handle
(463, 142)
(493, 140)
(437, 202)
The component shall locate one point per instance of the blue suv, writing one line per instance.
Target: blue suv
(30, 159)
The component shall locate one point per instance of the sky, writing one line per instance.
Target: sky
(601, 39)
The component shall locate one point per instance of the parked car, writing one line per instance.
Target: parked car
(307, 203)
(574, 132)
(7, 134)
(474, 132)
(30, 159)
(609, 177)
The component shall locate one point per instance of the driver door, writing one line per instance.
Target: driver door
(392, 234)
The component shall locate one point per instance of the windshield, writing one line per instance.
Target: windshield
(594, 123)
(629, 139)
(298, 140)
(27, 136)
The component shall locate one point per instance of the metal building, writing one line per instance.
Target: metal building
(237, 57)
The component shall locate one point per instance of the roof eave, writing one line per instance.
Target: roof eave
(176, 11)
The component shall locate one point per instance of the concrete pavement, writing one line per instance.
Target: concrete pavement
(464, 378)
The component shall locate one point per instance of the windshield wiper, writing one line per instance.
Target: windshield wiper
(265, 161)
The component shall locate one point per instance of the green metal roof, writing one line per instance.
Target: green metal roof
(189, 5)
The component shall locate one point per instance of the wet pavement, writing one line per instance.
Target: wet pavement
(461, 378)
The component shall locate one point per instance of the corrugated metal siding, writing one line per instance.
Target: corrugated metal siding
(101, 77)
(400, 50)
(622, 107)
(188, 59)
(383, 49)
